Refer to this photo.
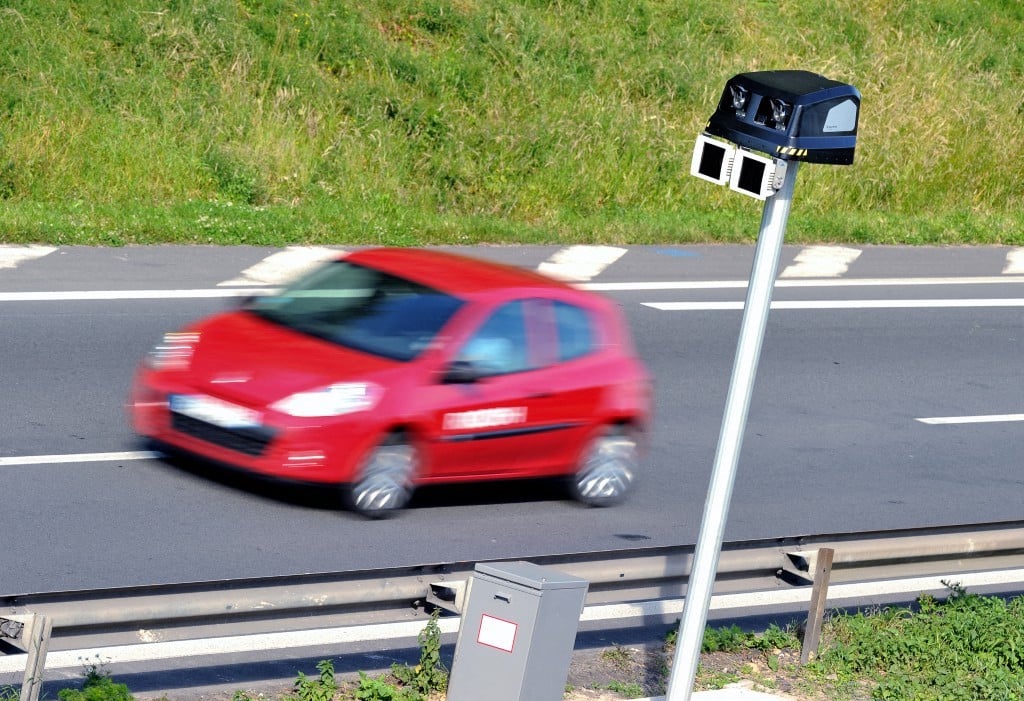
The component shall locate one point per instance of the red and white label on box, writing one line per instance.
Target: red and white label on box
(496, 633)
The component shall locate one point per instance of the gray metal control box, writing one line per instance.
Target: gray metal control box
(517, 634)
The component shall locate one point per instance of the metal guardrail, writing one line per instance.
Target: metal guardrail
(623, 584)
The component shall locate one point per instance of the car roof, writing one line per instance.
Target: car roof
(451, 273)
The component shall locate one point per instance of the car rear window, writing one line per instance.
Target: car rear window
(361, 308)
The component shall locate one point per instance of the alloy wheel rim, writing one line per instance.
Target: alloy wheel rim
(609, 469)
(386, 481)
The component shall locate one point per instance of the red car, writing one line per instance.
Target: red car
(390, 368)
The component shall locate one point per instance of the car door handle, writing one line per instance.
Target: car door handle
(540, 395)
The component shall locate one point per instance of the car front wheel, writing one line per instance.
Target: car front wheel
(385, 483)
(607, 469)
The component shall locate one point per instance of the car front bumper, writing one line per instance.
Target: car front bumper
(327, 450)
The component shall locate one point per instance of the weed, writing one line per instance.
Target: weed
(631, 690)
(717, 680)
(775, 638)
(379, 689)
(430, 674)
(321, 688)
(9, 693)
(733, 638)
(240, 695)
(725, 639)
(98, 686)
(617, 656)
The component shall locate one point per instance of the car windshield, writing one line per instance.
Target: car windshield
(361, 308)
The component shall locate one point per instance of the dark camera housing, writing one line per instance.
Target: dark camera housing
(791, 115)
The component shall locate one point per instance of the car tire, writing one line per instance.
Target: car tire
(607, 468)
(385, 481)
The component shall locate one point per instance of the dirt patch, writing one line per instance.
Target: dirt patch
(637, 671)
(619, 672)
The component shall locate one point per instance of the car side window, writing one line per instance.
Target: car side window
(575, 330)
(499, 346)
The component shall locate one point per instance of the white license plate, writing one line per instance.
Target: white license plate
(214, 411)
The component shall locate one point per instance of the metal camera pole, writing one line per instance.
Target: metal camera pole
(709, 545)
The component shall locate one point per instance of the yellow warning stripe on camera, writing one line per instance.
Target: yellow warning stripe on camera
(787, 151)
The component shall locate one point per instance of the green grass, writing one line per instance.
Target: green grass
(464, 121)
(964, 648)
(968, 648)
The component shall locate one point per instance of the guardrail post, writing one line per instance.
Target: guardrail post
(816, 613)
(449, 595)
(30, 632)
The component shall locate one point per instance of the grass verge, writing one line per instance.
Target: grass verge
(414, 122)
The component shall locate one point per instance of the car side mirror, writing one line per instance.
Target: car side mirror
(461, 372)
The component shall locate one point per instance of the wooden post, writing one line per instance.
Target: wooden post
(31, 632)
(816, 613)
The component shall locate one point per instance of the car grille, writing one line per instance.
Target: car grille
(250, 441)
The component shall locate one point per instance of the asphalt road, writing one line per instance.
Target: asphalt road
(833, 444)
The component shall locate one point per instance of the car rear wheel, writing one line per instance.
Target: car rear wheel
(385, 482)
(607, 469)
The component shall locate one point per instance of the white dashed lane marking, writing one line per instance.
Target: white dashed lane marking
(822, 261)
(580, 263)
(77, 458)
(983, 419)
(283, 266)
(1014, 262)
(11, 256)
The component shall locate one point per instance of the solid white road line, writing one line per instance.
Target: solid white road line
(821, 261)
(107, 295)
(1014, 262)
(990, 418)
(284, 266)
(845, 282)
(841, 304)
(580, 262)
(78, 457)
(11, 256)
(837, 593)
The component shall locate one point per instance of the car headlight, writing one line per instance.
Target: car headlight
(335, 400)
(174, 352)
